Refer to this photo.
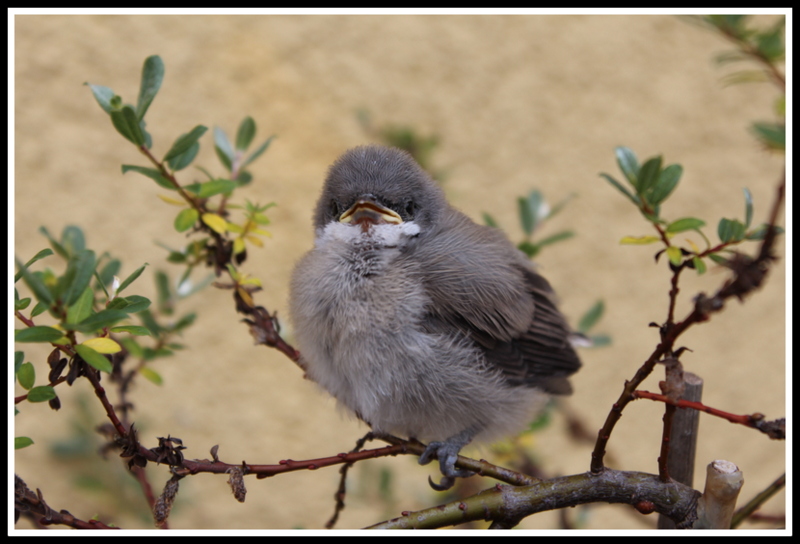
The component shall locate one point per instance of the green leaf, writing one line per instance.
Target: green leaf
(179, 162)
(102, 319)
(94, 359)
(152, 76)
(186, 219)
(54, 243)
(719, 259)
(72, 239)
(699, 265)
(489, 221)
(26, 375)
(164, 295)
(130, 279)
(20, 304)
(41, 255)
(528, 248)
(621, 188)
(185, 141)
(745, 76)
(772, 135)
(760, 232)
(106, 275)
(730, 230)
(211, 188)
(558, 207)
(687, 223)
(628, 164)
(127, 123)
(150, 322)
(103, 95)
(35, 284)
(557, 237)
(729, 56)
(724, 230)
(151, 173)
(591, 317)
(132, 346)
(245, 134)
(151, 375)
(649, 174)
(77, 277)
(185, 321)
(38, 333)
(22, 442)
(82, 307)
(748, 208)
(600, 340)
(40, 308)
(257, 153)
(132, 329)
(770, 45)
(43, 393)
(667, 181)
(136, 303)
(118, 303)
(223, 148)
(527, 217)
(19, 357)
(243, 178)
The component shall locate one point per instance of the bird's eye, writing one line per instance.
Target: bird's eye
(335, 208)
(410, 208)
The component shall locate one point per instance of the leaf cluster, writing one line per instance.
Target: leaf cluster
(766, 48)
(85, 298)
(650, 185)
(226, 239)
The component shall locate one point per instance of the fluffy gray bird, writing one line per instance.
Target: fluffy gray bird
(421, 322)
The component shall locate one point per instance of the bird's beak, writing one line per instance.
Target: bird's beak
(366, 211)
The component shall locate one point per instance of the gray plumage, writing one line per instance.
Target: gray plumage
(421, 322)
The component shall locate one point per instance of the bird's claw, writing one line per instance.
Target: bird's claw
(447, 453)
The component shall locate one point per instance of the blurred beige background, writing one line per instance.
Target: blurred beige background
(519, 102)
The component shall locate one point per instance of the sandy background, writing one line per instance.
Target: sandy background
(518, 102)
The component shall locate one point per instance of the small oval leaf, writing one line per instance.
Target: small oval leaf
(185, 141)
(215, 222)
(186, 219)
(639, 240)
(26, 375)
(245, 134)
(22, 442)
(106, 346)
(43, 393)
(102, 319)
(675, 255)
(132, 329)
(687, 223)
(38, 334)
(93, 358)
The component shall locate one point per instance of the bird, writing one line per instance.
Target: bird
(419, 321)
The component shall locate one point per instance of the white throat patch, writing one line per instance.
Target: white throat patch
(384, 234)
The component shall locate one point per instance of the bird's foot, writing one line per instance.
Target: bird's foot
(447, 453)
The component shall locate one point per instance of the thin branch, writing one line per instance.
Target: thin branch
(27, 501)
(775, 429)
(758, 501)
